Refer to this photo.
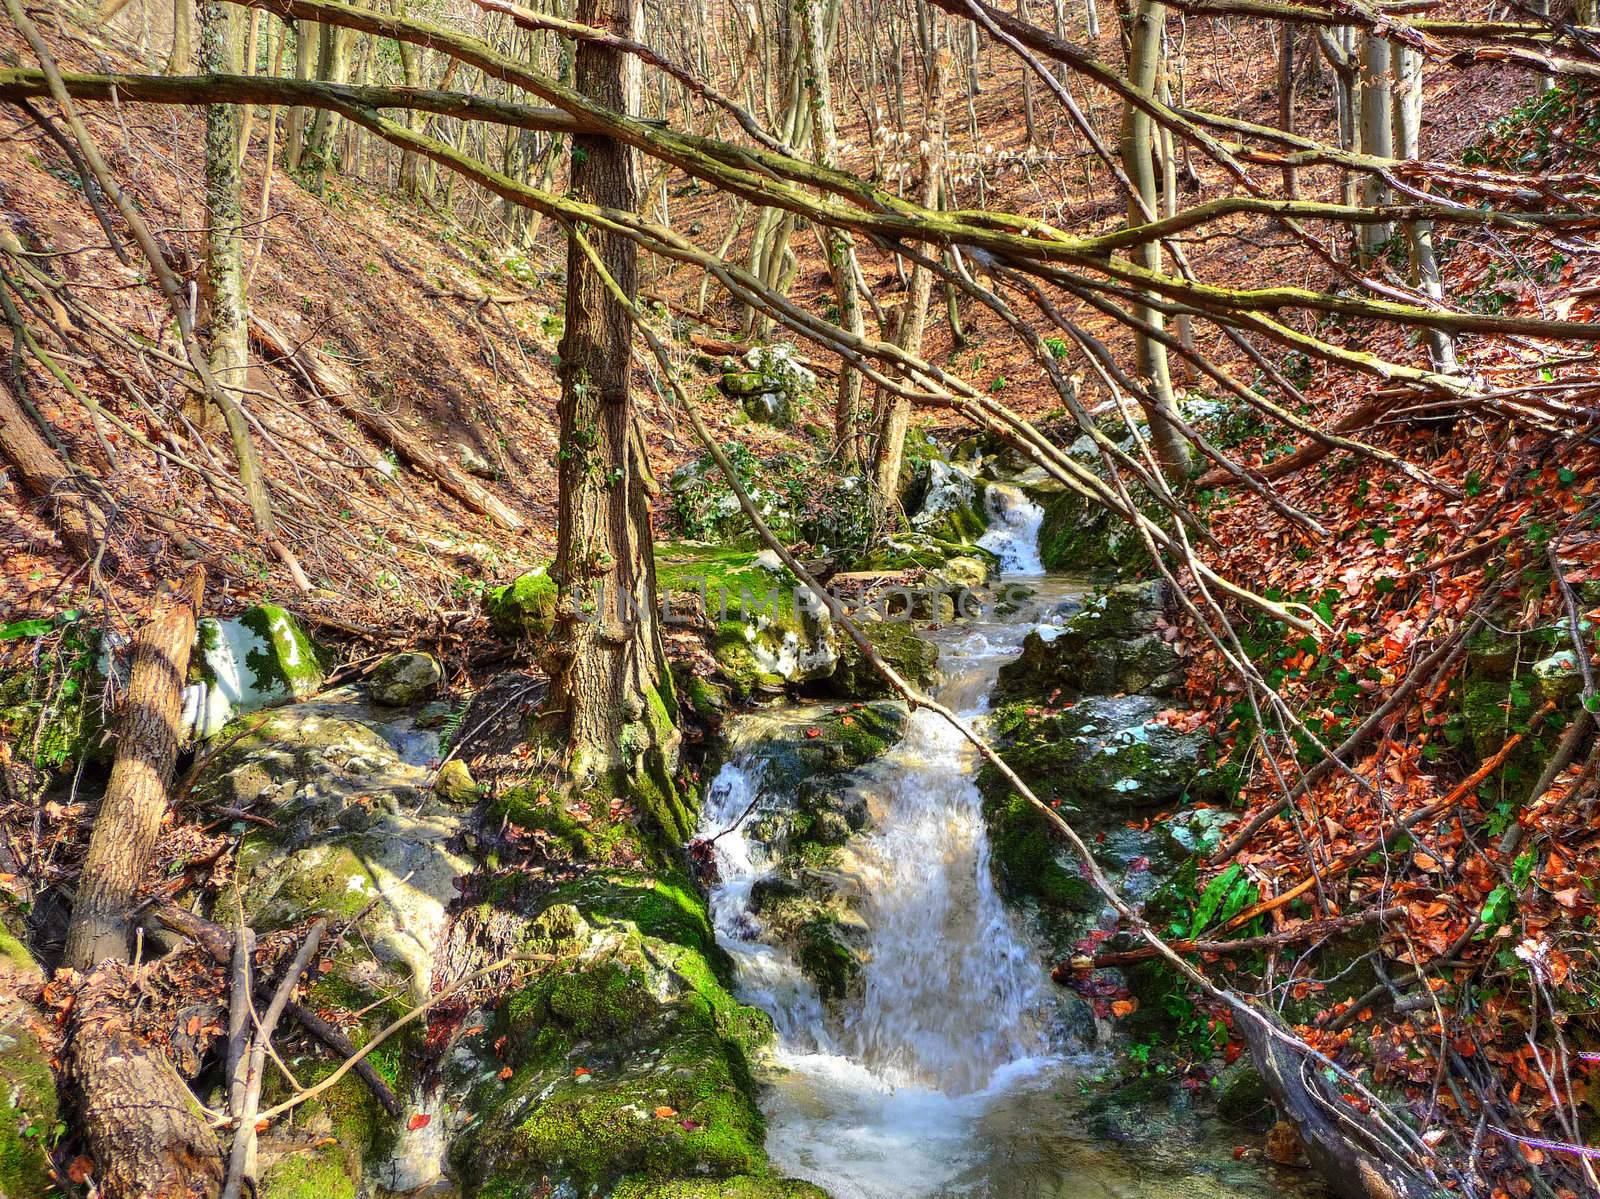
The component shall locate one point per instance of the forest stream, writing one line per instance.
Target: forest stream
(954, 1069)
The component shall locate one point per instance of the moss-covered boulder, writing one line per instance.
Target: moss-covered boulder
(769, 384)
(357, 825)
(1077, 536)
(767, 629)
(1112, 644)
(403, 679)
(897, 642)
(952, 507)
(625, 1062)
(1108, 757)
(259, 659)
(524, 607)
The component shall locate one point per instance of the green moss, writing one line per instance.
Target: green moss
(826, 959)
(29, 1114)
(525, 607)
(1076, 536)
(574, 828)
(317, 1174)
(1025, 857)
(913, 657)
(286, 658)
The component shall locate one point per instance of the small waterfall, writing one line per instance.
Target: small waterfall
(1013, 533)
(885, 1100)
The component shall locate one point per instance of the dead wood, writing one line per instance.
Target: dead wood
(136, 797)
(77, 517)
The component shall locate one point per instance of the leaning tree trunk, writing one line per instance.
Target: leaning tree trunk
(1144, 62)
(223, 319)
(1419, 234)
(79, 520)
(609, 677)
(130, 815)
(148, 1137)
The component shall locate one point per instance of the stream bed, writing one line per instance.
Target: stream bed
(952, 1068)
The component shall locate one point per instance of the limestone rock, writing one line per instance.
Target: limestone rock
(1111, 645)
(259, 659)
(401, 680)
(1558, 676)
(454, 783)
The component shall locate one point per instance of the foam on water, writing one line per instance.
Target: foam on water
(1013, 533)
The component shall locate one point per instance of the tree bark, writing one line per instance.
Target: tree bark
(147, 1135)
(136, 797)
(78, 518)
(610, 677)
(1419, 234)
(1144, 62)
(182, 58)
(294, 141)
(223, 318)
(1377, 136)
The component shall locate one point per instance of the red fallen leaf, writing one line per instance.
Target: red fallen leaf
(1232, 1052)
(504, 1074)
(420, 1120)
(665, 1113)
(1139, 863)
(263, 1125)
(1239, 1151)
(580, 1071)
(688, 1125)
(847, 721)
(80, 1168)
(813, 732)
(1124, 1007)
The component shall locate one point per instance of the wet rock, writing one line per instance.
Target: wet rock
(1241, 1095)
(952, 504)
(1110, 645)
(259, 659)
(626, 1062)
(525, 607)
(401, 680)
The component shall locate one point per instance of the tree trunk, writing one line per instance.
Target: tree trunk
(1376, 136)
(136, 796)
(182, 60)
(147, 1135)
(78, 519)
(609, 678)
(816, 31)
(1144, 62)
(223, 317)
(294, 142)
(333, 66)
(1291, 184)
(914, 316)
(1419, 234)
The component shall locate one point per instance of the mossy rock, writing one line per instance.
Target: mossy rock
(1109, 646)
(1108, 757)
(1080, 537)
(260, 659)
(29, 1112)
(913, 657)
(630, 1058)
(1242, 1098)
(309, 1174)
(525, 607)
(404, 679)
(952, 507)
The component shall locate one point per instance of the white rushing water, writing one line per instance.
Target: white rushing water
(889, 1099)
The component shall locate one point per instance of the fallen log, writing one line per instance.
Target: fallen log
(324, 380)
(129, 819)
(147, 1136)
(77, 518)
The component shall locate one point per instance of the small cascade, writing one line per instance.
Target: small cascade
(1013, 533)
(884, 1100)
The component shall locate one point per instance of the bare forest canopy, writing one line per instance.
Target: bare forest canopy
(367, 308)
